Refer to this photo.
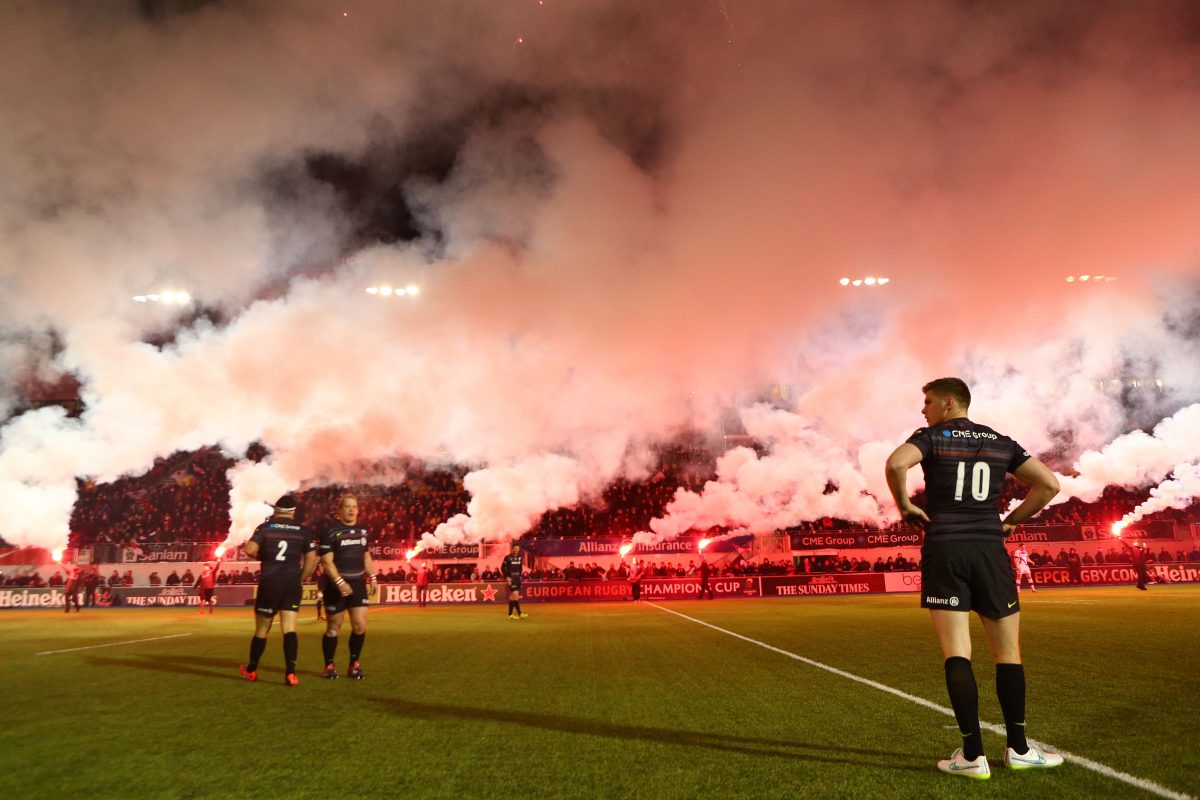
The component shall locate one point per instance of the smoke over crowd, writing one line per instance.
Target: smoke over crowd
(624, 220)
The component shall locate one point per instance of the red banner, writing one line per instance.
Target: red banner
(833, 583)
(652, 589)
(575, 591)
(1110, 574)
(689, 588)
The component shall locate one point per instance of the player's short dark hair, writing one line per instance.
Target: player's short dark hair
(950, 387)
(286, 503)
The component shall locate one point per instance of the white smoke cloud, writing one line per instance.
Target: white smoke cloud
(804, 476)
(1137, 458)
(1179, 491)
(637, 220)
(507, 500)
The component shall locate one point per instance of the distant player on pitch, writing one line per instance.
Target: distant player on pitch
(1021, 564)
(964, 566)
(288, 555)
(206, 583)
(511, 568)
(349, 582)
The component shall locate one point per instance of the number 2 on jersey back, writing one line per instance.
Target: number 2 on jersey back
(981, 480)
(283, 544)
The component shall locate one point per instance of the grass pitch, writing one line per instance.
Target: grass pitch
(597, 700)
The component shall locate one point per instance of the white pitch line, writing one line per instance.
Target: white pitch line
(1066, 602)
(1094, 766)
(111, 644)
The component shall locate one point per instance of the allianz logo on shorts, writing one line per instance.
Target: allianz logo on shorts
(941, 601)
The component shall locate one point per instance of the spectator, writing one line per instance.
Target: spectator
(1074, 568)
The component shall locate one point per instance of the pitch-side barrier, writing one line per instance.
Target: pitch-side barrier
(592, 591)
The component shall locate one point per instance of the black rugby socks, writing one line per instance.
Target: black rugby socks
(257, 645)
(329, 648)
(964, 697)
(1010, 690)
(356, 643)
(291, 646)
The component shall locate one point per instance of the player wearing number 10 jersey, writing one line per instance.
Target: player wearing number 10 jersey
(964, 565)
(288, 555)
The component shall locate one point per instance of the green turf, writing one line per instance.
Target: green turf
(603, 700)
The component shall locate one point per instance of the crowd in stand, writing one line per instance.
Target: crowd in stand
(1111, 555)
(394, 513)
(737, 566)
(185, 498)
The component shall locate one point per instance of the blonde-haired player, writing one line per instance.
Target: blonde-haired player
(349, 581)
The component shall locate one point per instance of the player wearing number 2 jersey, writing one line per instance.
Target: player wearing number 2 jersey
(288, 555)
(964, 565)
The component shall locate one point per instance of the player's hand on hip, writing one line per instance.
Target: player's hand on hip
(1008, 528)
(914, 515)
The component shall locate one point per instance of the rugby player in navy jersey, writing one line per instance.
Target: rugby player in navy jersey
(964, 565)
(511, 568)
(349, 582)
(288, 555)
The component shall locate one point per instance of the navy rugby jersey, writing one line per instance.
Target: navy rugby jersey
(964, 464)
(348, 543)
(282, 544)
(511, 566)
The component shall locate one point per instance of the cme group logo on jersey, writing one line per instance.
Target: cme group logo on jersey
(957, 434)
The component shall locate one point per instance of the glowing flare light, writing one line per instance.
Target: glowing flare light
(57, 554)
(703, 544)
(624, 549)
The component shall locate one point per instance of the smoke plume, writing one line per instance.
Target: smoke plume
(623, 220)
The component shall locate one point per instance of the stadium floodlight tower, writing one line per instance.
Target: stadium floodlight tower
(167, 297)
(1093, 280)
(388, 291)
(869, 280)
